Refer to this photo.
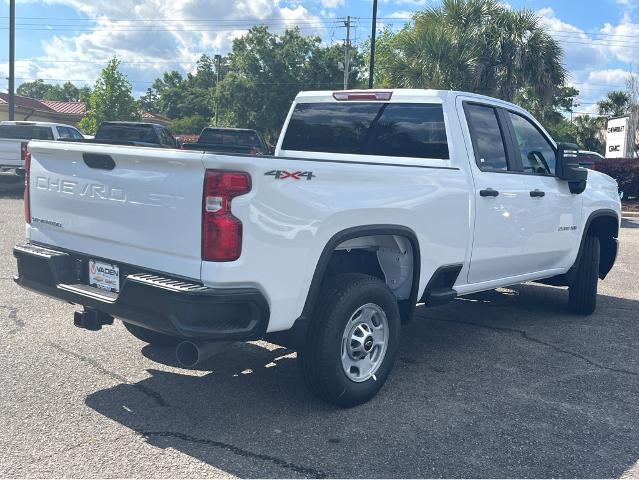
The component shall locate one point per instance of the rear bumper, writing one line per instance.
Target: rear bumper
(182, 308)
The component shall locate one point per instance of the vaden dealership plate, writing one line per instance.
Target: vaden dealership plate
(104, 276)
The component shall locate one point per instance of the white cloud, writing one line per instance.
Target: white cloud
(615, 77)
(332, 3)
(579, 51)
(621, 40)
(417, 3)
(156, 35)
(401, 14)
(593, 59)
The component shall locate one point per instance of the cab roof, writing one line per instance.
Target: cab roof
(400, 95)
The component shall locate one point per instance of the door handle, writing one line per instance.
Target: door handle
(489, 192)
(537, 194)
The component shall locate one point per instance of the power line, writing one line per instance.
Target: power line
(336, 83)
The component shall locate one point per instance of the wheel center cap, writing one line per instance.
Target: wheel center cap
(368, 343)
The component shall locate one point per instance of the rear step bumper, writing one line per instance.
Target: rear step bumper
(182, 308)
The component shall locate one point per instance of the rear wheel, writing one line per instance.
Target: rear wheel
(149, 336)
(583, 291)
(352, 340)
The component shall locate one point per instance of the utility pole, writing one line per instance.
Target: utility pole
(373, 32)
(12, 58)
(218, 62)
(347, 53)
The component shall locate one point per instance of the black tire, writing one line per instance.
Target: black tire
(320, 359)
(583, 291)
(149, 336)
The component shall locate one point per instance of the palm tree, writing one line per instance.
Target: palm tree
(615, 104)
(480, 46)
(589, 133)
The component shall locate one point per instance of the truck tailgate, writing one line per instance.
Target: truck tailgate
(141, 206)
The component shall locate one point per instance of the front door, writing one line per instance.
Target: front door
(552, 229)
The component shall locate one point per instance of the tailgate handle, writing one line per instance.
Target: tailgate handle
(96, 160)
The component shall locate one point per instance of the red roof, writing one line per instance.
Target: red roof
(148, 116)
(64, 108)
(25, 102)
(70, 108)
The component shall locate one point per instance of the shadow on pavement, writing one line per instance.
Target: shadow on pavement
(501, 384)
(630, 222)
(11, 186)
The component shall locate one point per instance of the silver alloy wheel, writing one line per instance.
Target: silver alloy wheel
(364, 342)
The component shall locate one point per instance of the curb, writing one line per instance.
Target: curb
(630, 214)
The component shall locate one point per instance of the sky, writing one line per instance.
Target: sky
(59, 40)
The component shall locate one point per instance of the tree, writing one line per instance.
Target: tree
(266, 71)
(552, 114)
(35, 89)
(632, 87)
(191, 125)
(176, 96)
(39, 90)
(615, 104)
(588, 133)
(149, 102)
(111, 99)
(170, 92)
(475, 45)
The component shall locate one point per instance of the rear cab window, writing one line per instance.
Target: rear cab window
(26, 132)
(411, 130)
(237, 138)
(127, 133)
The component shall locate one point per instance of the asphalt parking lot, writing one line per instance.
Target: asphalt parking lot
(503, 384)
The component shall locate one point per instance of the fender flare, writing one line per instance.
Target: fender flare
(567, 278)
(362, 231)
(605, 212)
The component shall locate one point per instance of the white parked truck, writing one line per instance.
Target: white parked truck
(373, 202)
(14, 137)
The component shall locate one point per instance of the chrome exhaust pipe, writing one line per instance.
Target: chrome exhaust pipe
(189, 354)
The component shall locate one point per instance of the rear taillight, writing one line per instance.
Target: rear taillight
(24, 151)
(221, 231)
(27, 196)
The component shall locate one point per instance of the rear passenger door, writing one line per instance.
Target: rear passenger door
(502, 201)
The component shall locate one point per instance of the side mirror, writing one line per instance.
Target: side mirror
(567, 167)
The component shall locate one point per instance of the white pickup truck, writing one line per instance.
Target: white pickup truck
(14, 137)
(374, 201)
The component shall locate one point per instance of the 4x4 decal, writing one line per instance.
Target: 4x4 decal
(283, 175)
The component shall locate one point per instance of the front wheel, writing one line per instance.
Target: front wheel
(583, 291)
(352, 340)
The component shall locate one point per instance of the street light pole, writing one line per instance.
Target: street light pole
(218, 62)
(373, 32)
(12, 58)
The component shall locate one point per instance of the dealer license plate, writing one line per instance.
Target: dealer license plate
(104, 276)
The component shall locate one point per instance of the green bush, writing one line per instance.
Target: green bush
(625, 171)
(193, 125)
